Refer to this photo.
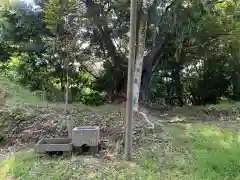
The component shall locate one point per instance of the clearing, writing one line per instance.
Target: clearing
(192, 143)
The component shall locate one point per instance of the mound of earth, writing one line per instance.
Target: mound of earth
(24, 124)
(225, 117)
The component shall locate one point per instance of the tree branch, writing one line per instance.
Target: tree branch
(207, 42)
(86, 69)
(166, 10)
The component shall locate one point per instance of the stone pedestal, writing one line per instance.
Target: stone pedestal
(85, 135)
(85, 139)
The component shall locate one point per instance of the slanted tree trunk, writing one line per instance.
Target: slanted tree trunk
(140, 73)
(138, 66)
(141, 34)
(150, 64)
(144, 65)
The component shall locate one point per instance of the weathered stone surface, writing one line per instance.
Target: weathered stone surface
(54, 145)
(38, 125)
(88, 135)
(27, 134)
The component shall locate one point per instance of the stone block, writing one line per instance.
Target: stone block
(85, 135)
(54, 145)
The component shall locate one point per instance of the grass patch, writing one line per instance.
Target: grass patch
(15, 93)
(196, 152)
(216, 153)
(17, 166)
(30, 166)
(225, 105)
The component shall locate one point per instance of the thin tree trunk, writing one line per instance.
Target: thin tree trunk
(129, 109)
(42, 95)
(177, 87)
(236, 85)
(176, 75)
(62, 86)
(68, 120)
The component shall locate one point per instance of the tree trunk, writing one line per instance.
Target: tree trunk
(129, 105)
(178, 84)
(62, 86)
(176, 74)
(138, 66)
(144, 89)
(68, 121)
(236, 85)
(137, 81)
(142, 32)
(150, 64)
(62, 82)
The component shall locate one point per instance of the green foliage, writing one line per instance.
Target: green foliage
(53, 14)
(94, 98)
(158, 88)
(13, 165)
(197, 58)
(216, 153)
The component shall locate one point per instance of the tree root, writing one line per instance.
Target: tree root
(146, 118)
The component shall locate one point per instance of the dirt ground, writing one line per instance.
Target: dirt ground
(23, 125)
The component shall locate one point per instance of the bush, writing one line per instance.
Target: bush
(93, 99)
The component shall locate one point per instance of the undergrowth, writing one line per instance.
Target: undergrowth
(192, 152)
(200, 152)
